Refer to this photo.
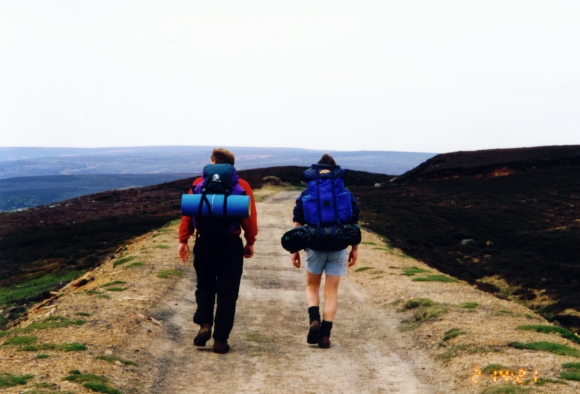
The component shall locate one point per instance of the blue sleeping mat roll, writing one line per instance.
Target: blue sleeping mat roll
(237, 206)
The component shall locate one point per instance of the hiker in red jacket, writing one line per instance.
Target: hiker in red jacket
(218, 262)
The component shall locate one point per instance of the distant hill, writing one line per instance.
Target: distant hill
(21, 162)
(492, 163)
(32, 191)
(507, 221)
(32, 177)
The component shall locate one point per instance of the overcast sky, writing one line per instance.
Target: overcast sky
(423, 76)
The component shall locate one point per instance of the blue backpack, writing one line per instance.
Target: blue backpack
(327, 202)
(217, 179)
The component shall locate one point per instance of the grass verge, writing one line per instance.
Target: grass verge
(572, 371)
(67, 347)
(135, 264)
(412, 271)
(551, 347)
(452, 333)
(552, 330)
(164, 274)
(18, 341)
(51, 322)
(425, 309)
(124, 260)
(34, 287)
(9, 380)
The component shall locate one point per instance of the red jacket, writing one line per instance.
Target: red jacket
(250, 225)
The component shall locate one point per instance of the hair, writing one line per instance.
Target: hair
(222, 156)
(327, 159)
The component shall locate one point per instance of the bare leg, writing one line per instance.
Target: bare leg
(313, 289)
(330, 297)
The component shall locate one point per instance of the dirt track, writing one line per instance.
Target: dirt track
(269, 351)
(139, 337)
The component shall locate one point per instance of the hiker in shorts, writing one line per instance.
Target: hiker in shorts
(218, 257)
(332, 261)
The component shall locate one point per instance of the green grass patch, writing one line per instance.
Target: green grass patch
(116, 282)
(575, 366)
(505, 389)
(552, 330)
(67, 347)
(368, 243)
(51, 322)
(115, 289)
(572, 371)
(551, 347)
(571, 375)
(164, 274)
(469, 305)
(42, 356)
(425, 309)
(83, 314)
(77, 377)
(101, 388)
(435, 278)
(136, 264)
(9, 380)
(404, 256)
(162, 246)
(361, 269)
(424, 313)
(108, 297)
(544, 381)
(124, 260)
(17, 341)
(412, 271)
(417, 302)
(113, 359)
(452, 333)
(394, 267)
(34, 287)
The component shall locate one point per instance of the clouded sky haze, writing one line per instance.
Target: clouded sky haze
(423, 76)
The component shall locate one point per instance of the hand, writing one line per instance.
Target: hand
(352, 257)
(296, 259)
(183, 252)
(248, 251)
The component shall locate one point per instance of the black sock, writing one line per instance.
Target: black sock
(314, 313)
(325, 328)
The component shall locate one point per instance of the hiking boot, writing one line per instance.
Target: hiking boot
(220, 347)
(313, 333)
(324, 342)
(203, 335)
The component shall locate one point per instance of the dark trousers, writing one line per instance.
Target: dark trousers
(218, 263)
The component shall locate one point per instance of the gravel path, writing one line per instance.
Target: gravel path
(269, 352)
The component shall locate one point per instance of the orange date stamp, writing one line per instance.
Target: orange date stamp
(507, 375)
